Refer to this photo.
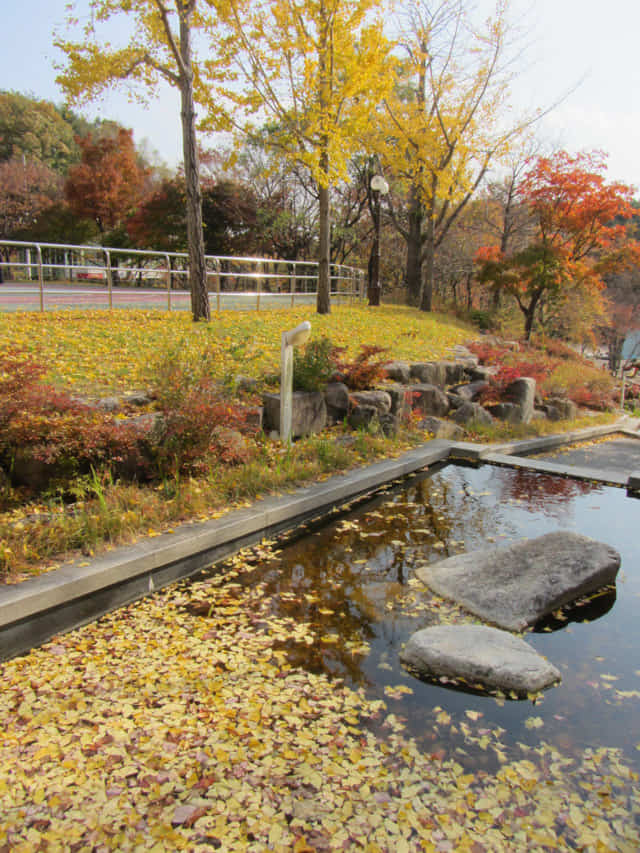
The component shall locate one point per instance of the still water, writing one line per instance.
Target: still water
(353, 580)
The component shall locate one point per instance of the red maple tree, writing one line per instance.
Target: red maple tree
(108, 183)
(579, 234)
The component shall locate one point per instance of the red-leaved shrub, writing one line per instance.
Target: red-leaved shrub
(362, 372)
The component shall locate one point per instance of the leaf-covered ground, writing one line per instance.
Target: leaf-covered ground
(161, 729)
(99, 351)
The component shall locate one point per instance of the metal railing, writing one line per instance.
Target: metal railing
(55, 275)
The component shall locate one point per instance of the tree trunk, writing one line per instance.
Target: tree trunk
(323, 302)
(197, 267)
(374, 260)
(428, 267)
(413, 275)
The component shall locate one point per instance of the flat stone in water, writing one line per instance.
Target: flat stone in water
(516, 585)
(479, 655)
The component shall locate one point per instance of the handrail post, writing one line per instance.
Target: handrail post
(258, 284)
(217, 268)
(40, 275)
(168, 260)
(293, 285)
(107, 256)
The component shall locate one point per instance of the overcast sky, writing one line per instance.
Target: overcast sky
(586, 48)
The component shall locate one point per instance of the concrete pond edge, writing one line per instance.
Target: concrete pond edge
(58, 601)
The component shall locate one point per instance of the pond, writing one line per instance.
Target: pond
(352, 580)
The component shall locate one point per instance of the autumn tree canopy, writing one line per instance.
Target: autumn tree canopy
(442, 129)
(108, 183)
(160, 48)
(577, 236)
(317, 68)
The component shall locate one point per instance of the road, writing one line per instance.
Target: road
(26, 297)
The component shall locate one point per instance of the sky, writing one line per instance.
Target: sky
(582, 53)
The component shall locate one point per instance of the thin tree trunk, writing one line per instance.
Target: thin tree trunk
(197, 267)
(323, 301)
(413, 275)
(374, 260)
(428, 267)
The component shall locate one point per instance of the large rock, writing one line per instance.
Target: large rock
(471, 390)
(429, 373)
(379, 400)
(309, 412)
(516, 585)
(481, 656)
(440, 428)
(400, 400)
(509, 412)
(336, 398)
(429, 400)
(522, 392)
(471, 412)
(560, 409)
(398, 371)
(440, 373)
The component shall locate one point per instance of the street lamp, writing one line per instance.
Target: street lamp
(293, 338)
(379, 187)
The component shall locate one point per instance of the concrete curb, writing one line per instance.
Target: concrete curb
(35, 610)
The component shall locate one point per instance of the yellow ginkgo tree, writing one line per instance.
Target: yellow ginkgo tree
(158, 47)
(315, 70)
(443, 126)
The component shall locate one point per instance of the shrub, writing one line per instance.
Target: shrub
(361, 373)
(46, 435)
(199, 423)
(313, 366)
(487, 353)
(508, 373)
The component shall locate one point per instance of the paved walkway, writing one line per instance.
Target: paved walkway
(615, 454)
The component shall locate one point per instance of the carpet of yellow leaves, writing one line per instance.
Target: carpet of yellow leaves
(158, 729)
(108, 351)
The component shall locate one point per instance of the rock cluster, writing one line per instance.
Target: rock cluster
(445, 393)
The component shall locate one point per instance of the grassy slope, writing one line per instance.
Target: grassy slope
(101, 352)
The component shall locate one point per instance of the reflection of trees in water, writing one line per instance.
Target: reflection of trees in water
(543, 492)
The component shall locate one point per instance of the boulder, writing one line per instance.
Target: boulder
(480, 373)
(470, 391)
(109, 404)
(516, 585)
(481, 656)
(380, 400)
(441, 429)
(309, 412)
(398, 371)
(522, 392)
(366, 417)
(455, 401)
(400, 400)
(136, 398)
(468, 412)
(440, 373)
(429, 400)
(509, 412)
(560, 409)
(429, 372)
(336, 398)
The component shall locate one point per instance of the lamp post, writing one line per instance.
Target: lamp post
(293, 338)
(379, 187)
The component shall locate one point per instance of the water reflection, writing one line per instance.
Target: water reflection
(352, 581)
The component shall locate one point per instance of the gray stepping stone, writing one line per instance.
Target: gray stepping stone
(516, 585)
(480, 655)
